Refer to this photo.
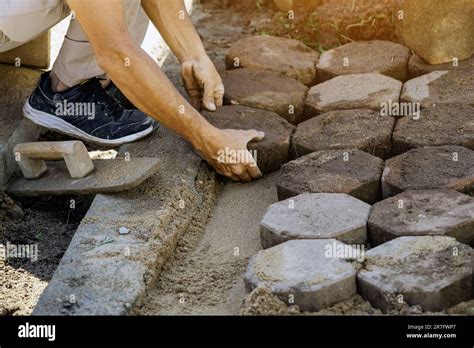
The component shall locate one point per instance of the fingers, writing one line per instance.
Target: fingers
(219, 95)
(254, 135)
(191, 85)
(213, 96)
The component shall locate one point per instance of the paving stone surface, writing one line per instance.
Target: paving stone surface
(357, 91)
(302, 269)
(433, 272)
(108, 176)
(333, 171)
(273, 151)
(361, 57)
(266, 90)
(440, 88)
(444, 32)
(284, 56)
(433, 167)
(361, 129)
(316, 216)
(443, 212)
(442, 125)
(418, 66)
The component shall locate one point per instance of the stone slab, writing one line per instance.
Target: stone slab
(272, 152)
(442, 212)
(418, 66)
(316, 216)
(34, 53)
(108, 176)
(430, 168)
(361, 129)
(284, 56)
(357, 91)
(333, 171)
(362, 57)
(16, 84)
(300, 268)
(440, 88)
(433, 272)
(442, 125)
(265, 90)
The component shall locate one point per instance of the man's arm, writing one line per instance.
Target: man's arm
(201, 79)
(142, 81)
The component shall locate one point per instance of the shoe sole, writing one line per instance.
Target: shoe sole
(51, 122)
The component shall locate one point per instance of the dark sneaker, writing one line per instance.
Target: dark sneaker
(113, 91)
(118, 96)
(86, 112)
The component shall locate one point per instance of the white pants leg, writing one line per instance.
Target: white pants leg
(24, 20)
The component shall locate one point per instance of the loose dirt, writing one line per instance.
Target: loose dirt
(46, 224)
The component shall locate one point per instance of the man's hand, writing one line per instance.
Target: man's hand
(226, 150)
(203, 83)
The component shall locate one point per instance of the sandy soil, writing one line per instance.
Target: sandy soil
(46, 224)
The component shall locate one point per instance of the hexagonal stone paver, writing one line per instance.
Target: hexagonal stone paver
(303, 269)
(265, 90)
(433, 272)
(442, 125)
(284, 56)
(421, 213)
(417, 66)
(430, 168)
(360, 57)
(358, 91)
(440, 88)
(361, 129)
(316, 216)
(333, 171)
(272, 151)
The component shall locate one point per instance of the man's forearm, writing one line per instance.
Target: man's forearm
(172, 21)
(156, 96)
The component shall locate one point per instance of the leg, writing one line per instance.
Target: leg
(22, 23)
(76, 61)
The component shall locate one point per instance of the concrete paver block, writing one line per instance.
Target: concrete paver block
(302, 271)
(284, 56)
(357, 91)
(433, 272)
(333, 171)
(361, 57)
(265, 90)
(272, 152)
(440, 88)
(442, 125)
(316, 216)
(361, 129)
(422, 213)
(430, 168)
(417, 66)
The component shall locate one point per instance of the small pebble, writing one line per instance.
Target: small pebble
(124, 230)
